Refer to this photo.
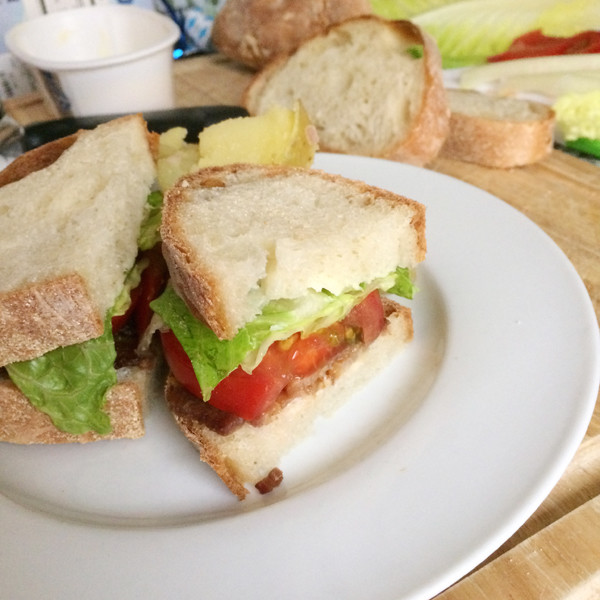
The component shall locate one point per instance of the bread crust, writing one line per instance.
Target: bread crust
(253, 32)
(22, 423)
(194, 281)
(45, 315)
(431, 125)
(501, 142)
(196, 284)
(178, 400)
(428, 127)
(35, 160)
(327, 391)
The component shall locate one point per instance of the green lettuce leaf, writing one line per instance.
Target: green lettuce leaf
(585, 146)
(149, 231)
(468, 32)
(131, 282)
(405, 9)
(69, 384)
(213, 359)
(403, 284)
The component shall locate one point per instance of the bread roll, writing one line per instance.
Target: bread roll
(255, 31)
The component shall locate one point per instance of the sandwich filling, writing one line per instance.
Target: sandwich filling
(289, 340)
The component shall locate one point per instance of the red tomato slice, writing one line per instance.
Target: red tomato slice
(368, 317)
(152, 282)
(246, 395)
(179, 363)
(307, 355)
(586, 42)
(250, 395)
(536, 44)
(119, 321)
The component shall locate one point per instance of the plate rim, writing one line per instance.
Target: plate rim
(457, 568)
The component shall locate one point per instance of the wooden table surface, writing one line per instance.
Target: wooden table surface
(556, 553)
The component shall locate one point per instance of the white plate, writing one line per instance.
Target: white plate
(415, 481)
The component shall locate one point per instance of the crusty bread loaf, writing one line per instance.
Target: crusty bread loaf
(238, 236)
(250, 454)
(255, 31)
(371, 87)
(70, 215)
(22, 423)
(497, 132)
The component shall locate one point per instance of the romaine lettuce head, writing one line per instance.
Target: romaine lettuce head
(470, 31)
(213, 359)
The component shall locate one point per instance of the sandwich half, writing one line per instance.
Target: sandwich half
(71, 215)
(278, 305)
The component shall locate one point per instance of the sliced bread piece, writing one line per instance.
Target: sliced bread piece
(253, 32)
(237, 237)
(70, 216)
(251, 454)
(22, 423)
(497, 132)
(370, 86)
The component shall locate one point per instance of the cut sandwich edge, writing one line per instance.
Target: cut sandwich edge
(22, 423)
(251, 453)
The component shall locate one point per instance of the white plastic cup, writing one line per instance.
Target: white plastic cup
(106, 59)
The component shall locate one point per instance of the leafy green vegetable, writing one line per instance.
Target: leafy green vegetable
(149, 231)
(568, 17)
(69, 384)
(585, 146)
(415, 51)
(213, 359)
(405, 9)
(468, 32)
(578, 116)
(501, 73)
(131, 281)
(403, 285)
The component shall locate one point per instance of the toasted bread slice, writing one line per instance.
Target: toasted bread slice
(239, 236)
(70, 215)
(250, 455)
(497, 132)
(370, 86)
